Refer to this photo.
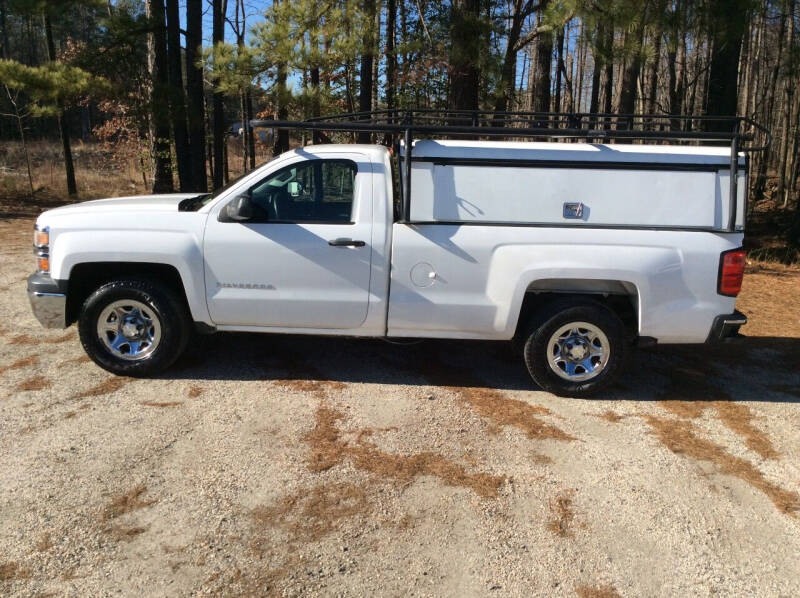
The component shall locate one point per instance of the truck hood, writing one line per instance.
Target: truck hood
(149, 203)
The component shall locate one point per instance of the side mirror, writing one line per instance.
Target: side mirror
(239, 209)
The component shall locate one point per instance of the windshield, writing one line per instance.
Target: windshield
(195, 203)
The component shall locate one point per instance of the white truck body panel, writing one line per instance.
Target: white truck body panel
(123, 230)
(481, 275)
(658, 186)
(501, 234)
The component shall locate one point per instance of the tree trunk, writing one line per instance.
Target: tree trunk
(760, 184)
(391, 56)
(465, 30)
(403, 40)
(251, 140)
(13, 99)
(376, 60)
(365, 89)
(5, 53)
(597, 71)
(608, 92)
(159, 102)
(218, 104)
(728, 25)
(788, 106)
(316, 136)
(195, 96)
(544, 63)
(630, 76)
(63, 128)
(246, 103)
(177, 102)
(505, 92)
(652, 94)
(559, 68)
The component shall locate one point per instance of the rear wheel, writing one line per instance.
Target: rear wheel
(575, 348)
(133, 327)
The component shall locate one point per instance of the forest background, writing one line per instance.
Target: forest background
(102, 97)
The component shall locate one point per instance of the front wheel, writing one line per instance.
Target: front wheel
(576, 348)
(133, 327)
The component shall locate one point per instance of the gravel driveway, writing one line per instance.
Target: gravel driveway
(267, 465)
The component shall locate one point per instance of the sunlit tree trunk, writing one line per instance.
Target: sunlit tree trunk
(159, 104)
(63, 127)
(176, 98)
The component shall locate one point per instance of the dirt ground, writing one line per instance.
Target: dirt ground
(293, 466)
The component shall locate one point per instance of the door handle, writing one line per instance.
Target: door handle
(346, 243)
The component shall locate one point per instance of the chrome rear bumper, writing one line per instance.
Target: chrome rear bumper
(48, 303)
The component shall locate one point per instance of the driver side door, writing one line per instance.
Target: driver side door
(302, 260)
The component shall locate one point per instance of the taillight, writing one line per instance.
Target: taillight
(731, 272)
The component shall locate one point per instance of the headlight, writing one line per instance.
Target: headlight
(41, 248)
(41, 237)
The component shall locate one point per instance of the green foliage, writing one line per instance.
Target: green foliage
(232, 68)
(305, 35)
(50, 85)
(308, 34)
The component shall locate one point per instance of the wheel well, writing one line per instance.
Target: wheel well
(86, 278)
(620, 297)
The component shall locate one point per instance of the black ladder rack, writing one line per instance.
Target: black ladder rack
(736, 131)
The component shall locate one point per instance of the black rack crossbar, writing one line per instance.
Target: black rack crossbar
(738, 132)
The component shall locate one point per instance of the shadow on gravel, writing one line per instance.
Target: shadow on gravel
(753, 369)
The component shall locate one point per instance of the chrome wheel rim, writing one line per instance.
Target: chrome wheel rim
(129, 329)
(578, 351)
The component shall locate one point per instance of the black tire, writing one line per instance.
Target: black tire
(559, 314)
(172, 317)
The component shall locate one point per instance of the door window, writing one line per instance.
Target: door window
(314, 191)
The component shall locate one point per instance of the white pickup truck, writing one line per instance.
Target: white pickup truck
(577, 251)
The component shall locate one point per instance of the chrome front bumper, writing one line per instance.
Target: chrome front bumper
(49, 305)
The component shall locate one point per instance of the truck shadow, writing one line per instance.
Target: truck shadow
(751, 369)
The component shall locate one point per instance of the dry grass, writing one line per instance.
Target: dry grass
(103, 388)
(194, 391)
(23, 339)
(329, 449)
(763, 299)
(160, 403)
(737, 417)
(125, 502)
(703, 394)
(44, 543)
(682, 438)
(504, 411)
(77, 360)
(96, 173)
(563, 515)
(63, 338)
(125, 533)
(685, 409)
(309, 515)
(317, 387)
(541, 459)
(10, 571)
(24, 362)
(604, 591)
(609, 416)
(33, 383)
